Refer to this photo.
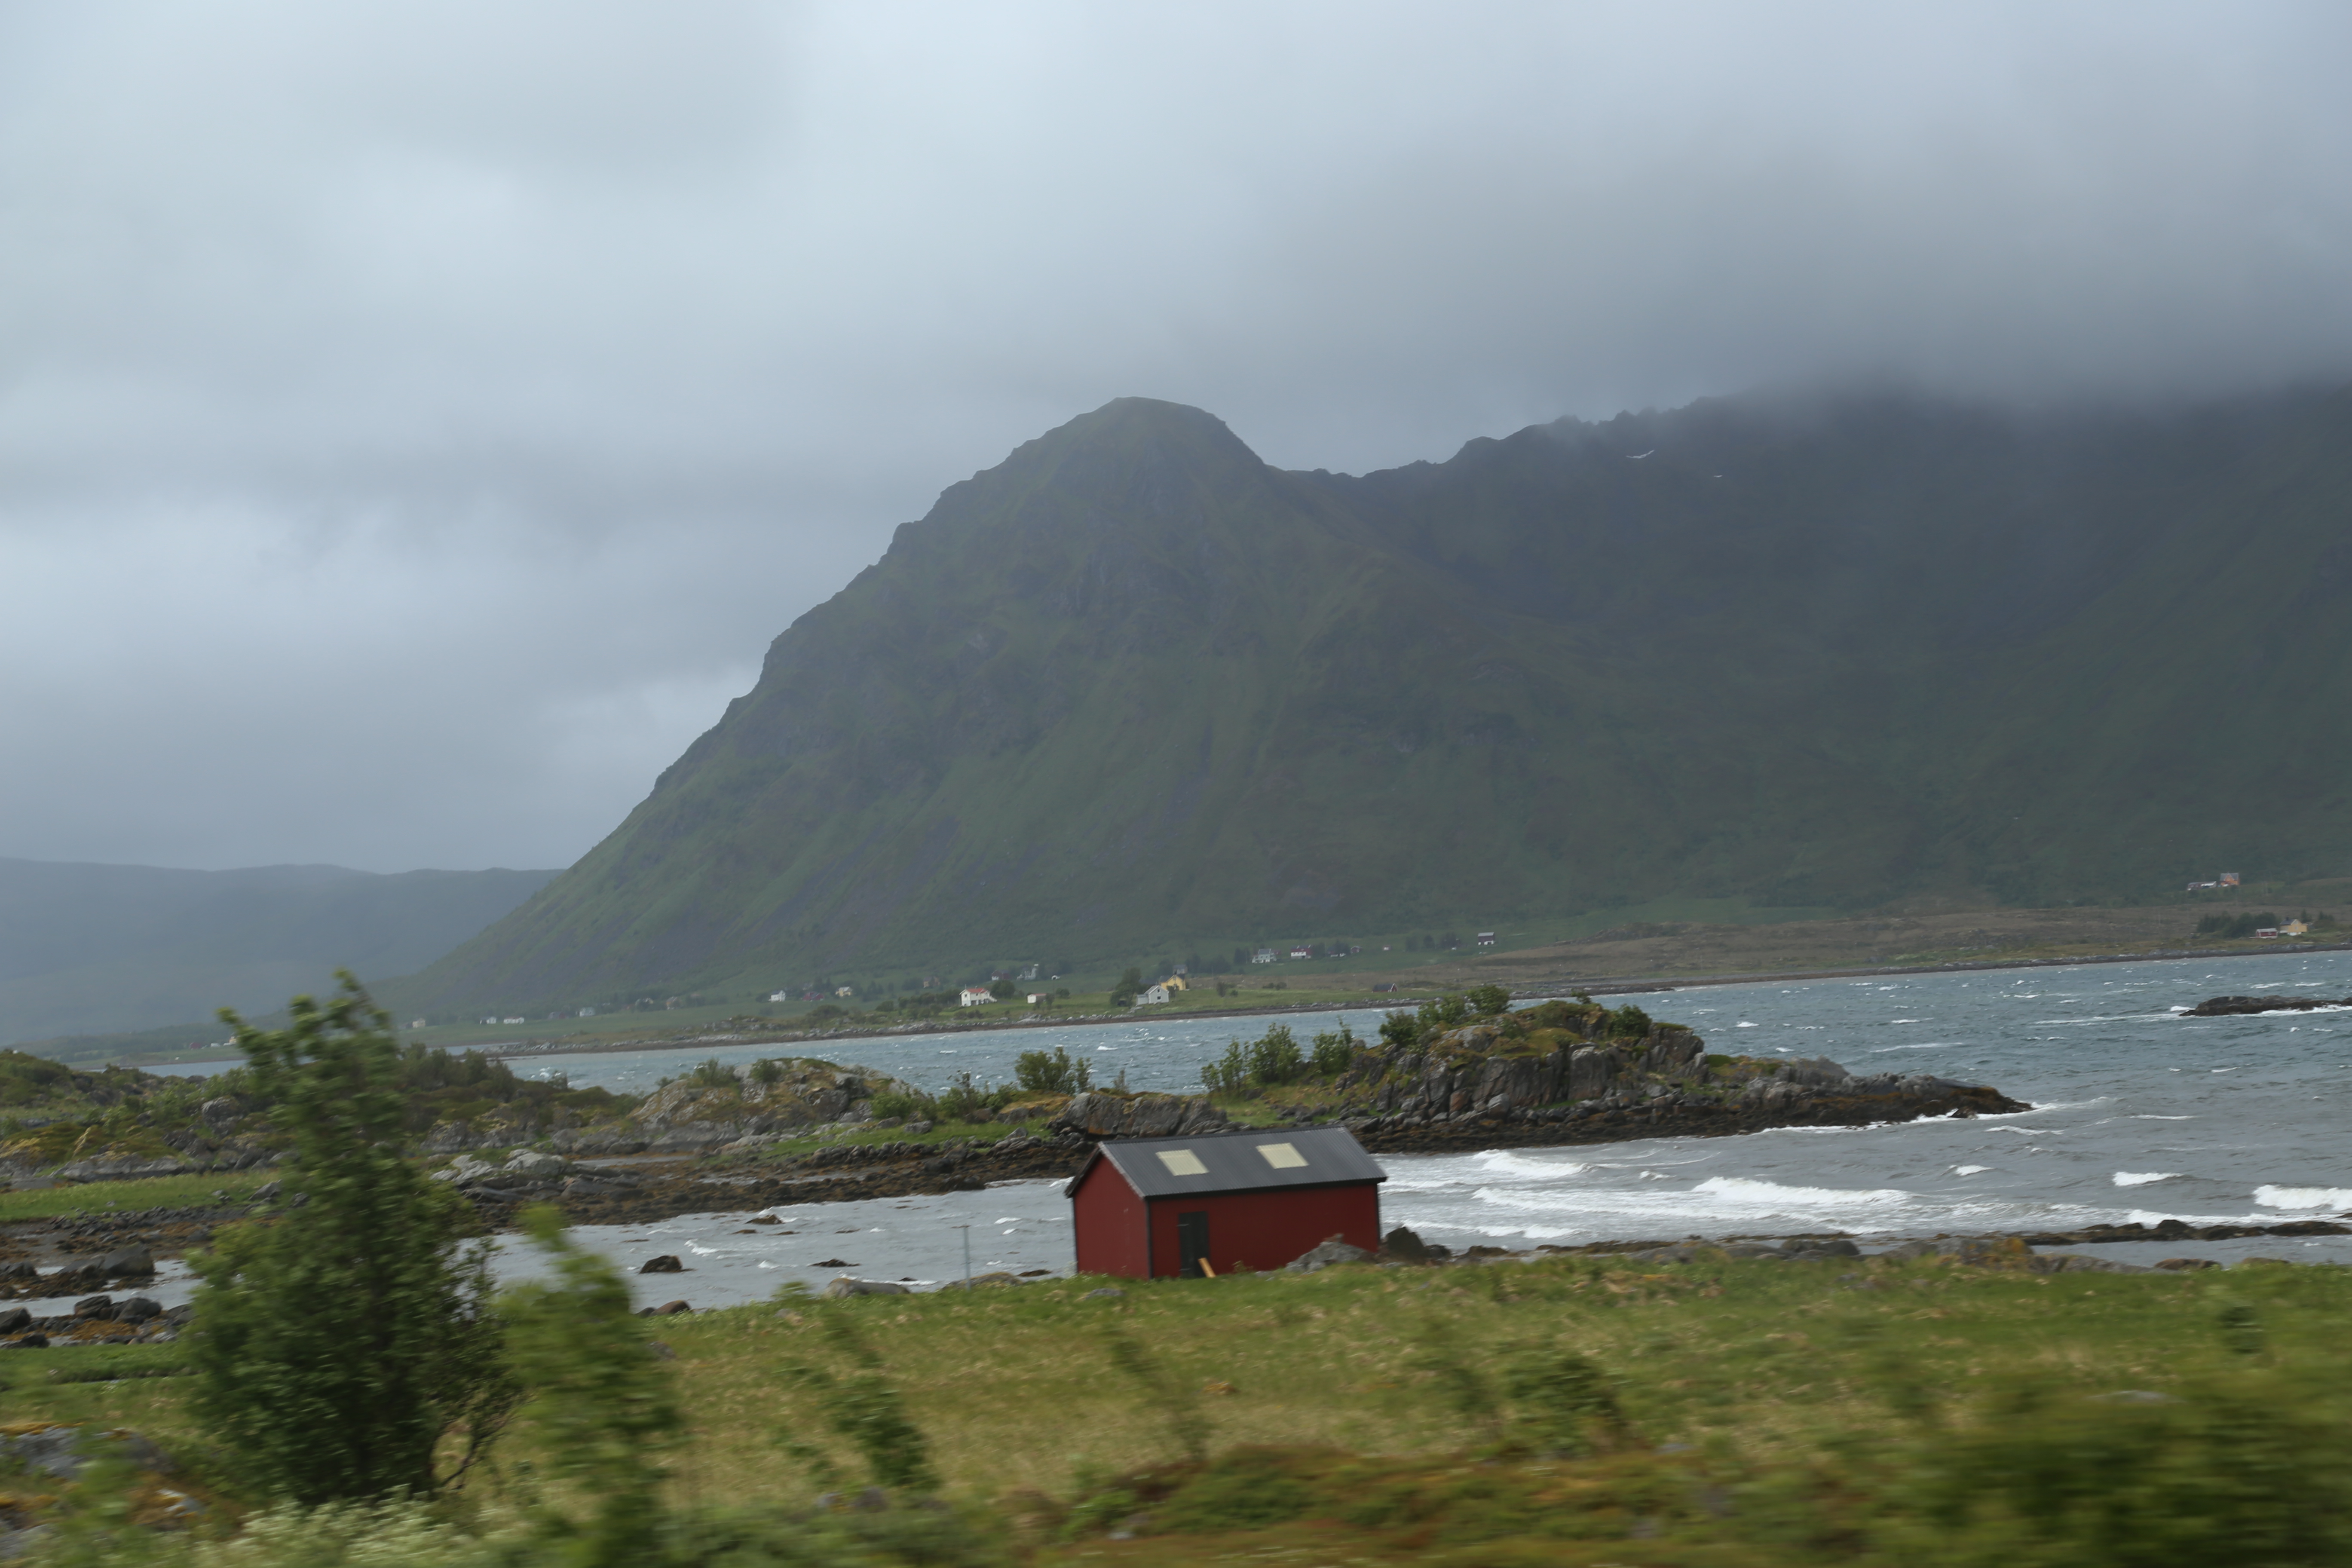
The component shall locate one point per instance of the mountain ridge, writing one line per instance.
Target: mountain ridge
(1133, 688)
(94, 948)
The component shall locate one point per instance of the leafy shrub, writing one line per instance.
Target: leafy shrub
(1130, 983)
(712, 1073)
(1229, 1075)
(889, 1104)
(1335, 1051)
(605, 1406)
(966, 1099)
(1428, 1021)
(1488, 1001)
(1000, 989)
(343, 1342)
(767, 1071)
(1039, 1072)
(1274, 1057)
(1628, 1023)
(824, 1012)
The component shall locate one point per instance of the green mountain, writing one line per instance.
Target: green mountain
(103, 950)
(1133, 690)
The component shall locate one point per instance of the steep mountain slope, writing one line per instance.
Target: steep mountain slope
(1133, 688)
(88, 949)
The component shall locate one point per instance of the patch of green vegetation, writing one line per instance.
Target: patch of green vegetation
(208, 1190)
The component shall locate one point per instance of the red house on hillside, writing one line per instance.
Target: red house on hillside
(1154, 1207)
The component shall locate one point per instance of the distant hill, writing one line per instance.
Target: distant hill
(88, 949)
(1133, 690)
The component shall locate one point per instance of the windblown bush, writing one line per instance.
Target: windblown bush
(338, 1345)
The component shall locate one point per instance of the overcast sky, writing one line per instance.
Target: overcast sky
(416, 419)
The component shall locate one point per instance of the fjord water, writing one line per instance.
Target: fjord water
(2139, 1114)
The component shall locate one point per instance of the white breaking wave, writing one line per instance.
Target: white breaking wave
(1748, 1190)
(2142, 1178)
(1503, 1163)
(2272, 1197)
(1970, 1169)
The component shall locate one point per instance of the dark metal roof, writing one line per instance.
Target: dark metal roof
(1237, 1161)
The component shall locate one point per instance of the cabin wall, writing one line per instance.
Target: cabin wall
(1112, 1225)
(1265, 1230)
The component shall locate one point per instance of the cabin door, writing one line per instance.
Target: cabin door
(1191, 1242)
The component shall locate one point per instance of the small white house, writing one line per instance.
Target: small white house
(845, 991)
(974, 996)
(1262, 955)
(1485, 939)
(780, 995)
(1150, 994)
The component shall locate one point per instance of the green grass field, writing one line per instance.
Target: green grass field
(1732, 1413)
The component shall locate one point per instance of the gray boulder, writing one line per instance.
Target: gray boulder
(667, 1263)
(1325, 1254)
(466, 1170)
(1101, 1115)
(2080, 1263)
(1404, 1246)
(840, 1290)
(537, 1167)
(129, 1263)
(14, 1321)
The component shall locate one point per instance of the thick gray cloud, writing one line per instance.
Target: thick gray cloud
(416, 419)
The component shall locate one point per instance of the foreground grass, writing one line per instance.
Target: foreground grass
(1365, 1414)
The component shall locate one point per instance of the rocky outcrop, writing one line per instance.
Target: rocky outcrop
(192, 1154)
(695, 1115)
(1552, 1075)
(1100, 1114)
(2238, 1006)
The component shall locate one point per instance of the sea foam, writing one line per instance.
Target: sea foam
(2272, 1197)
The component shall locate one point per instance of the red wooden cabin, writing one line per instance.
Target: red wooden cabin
(1155, 1207)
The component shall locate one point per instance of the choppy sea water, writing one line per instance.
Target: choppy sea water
(2139, 1114)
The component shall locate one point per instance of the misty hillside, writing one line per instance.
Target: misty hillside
(1132, 689)
(88, 949)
